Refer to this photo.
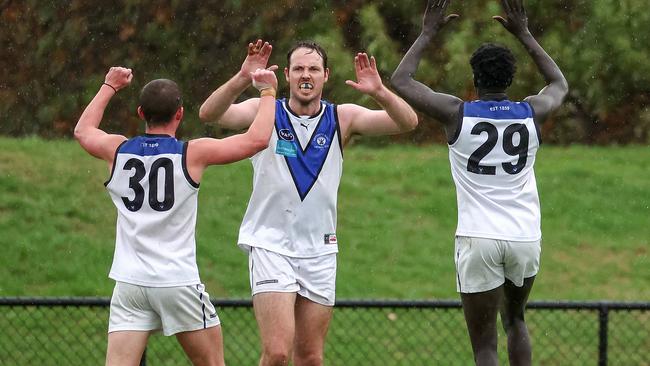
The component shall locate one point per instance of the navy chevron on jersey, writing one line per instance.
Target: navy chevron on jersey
(308, 160)
(492, 158)
(292, 209)
(156, 203)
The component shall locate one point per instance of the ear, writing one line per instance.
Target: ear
(327, 74)
(286, 74)
(141, 113)
(179, 114)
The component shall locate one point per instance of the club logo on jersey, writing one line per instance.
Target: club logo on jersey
(286, 135)
(330, 239)
(321, 141)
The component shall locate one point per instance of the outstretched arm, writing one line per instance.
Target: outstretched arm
(219, 106)
(549, 98)
(442, 107)
(396, 117)
(95, 141)
(208, 151)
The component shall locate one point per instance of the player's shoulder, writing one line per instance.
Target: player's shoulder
(348, 111)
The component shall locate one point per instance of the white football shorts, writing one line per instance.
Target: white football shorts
(484, 264)
(170, 309)
(313, 278)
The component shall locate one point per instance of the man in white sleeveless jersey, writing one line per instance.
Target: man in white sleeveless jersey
(289, 228)
(492, 147)
(154, 185)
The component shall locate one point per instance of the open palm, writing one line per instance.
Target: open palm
(368, 79)
(257, 57)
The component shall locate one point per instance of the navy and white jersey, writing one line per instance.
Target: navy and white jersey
(156, 204)
(492, 158)
(292, 210)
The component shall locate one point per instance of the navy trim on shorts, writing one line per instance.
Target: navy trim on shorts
(202, 307)
(460, 287)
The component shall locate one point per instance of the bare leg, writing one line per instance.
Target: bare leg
(481, 316)
(125, 348)
(312, 323)
(274, 312)
(512, 317)
(204, 347)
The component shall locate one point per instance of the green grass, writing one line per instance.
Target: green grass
(397, 216)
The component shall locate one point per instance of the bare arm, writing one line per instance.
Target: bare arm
(219, 106)
(552, 95)
(95, 141)
(442, 107)
(396, 117)
(207, 151)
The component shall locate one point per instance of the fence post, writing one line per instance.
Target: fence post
(603, 320)
(143, 360)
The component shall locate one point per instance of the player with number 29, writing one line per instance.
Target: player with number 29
(493, 143)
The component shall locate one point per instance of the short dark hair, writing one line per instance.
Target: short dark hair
(159, 100)
(310, 45)
(494, 66)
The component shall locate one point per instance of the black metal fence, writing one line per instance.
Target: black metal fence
(72, 331)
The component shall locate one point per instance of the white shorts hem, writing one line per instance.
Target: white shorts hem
(320, 300)
(482, 288)
(133, 328)
(191, 328)
(521, 283)
(263, 291)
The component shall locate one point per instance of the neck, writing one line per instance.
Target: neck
(162, 130)
(304, 109)
(486, 94)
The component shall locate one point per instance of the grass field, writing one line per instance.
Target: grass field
(397, 216)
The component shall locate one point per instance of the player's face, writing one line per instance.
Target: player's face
(306, 75)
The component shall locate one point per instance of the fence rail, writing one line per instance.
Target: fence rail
(71, 331)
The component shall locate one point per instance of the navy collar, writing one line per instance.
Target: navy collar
(157, 135)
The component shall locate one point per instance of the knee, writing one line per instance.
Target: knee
(310, 359)
(513, 321)
(207, 361)
(276, 356)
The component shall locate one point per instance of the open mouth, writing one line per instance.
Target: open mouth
(306, 86)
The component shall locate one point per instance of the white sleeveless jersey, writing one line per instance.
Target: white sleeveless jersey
(292, 210)
(492, 160)
(156, 204)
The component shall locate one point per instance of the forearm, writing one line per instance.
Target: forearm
(545, 64)
(408, 66)
(397, 109)
(92, 116)
(221, 99)
(260, 130)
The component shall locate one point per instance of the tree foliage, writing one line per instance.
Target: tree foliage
(55, 55)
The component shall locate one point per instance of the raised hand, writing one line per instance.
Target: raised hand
(516, 21)
(434, 15)
(264, 79)
(118, 77)
(368, 79)
(257, 57)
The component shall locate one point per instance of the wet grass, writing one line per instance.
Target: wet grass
(397, 216)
